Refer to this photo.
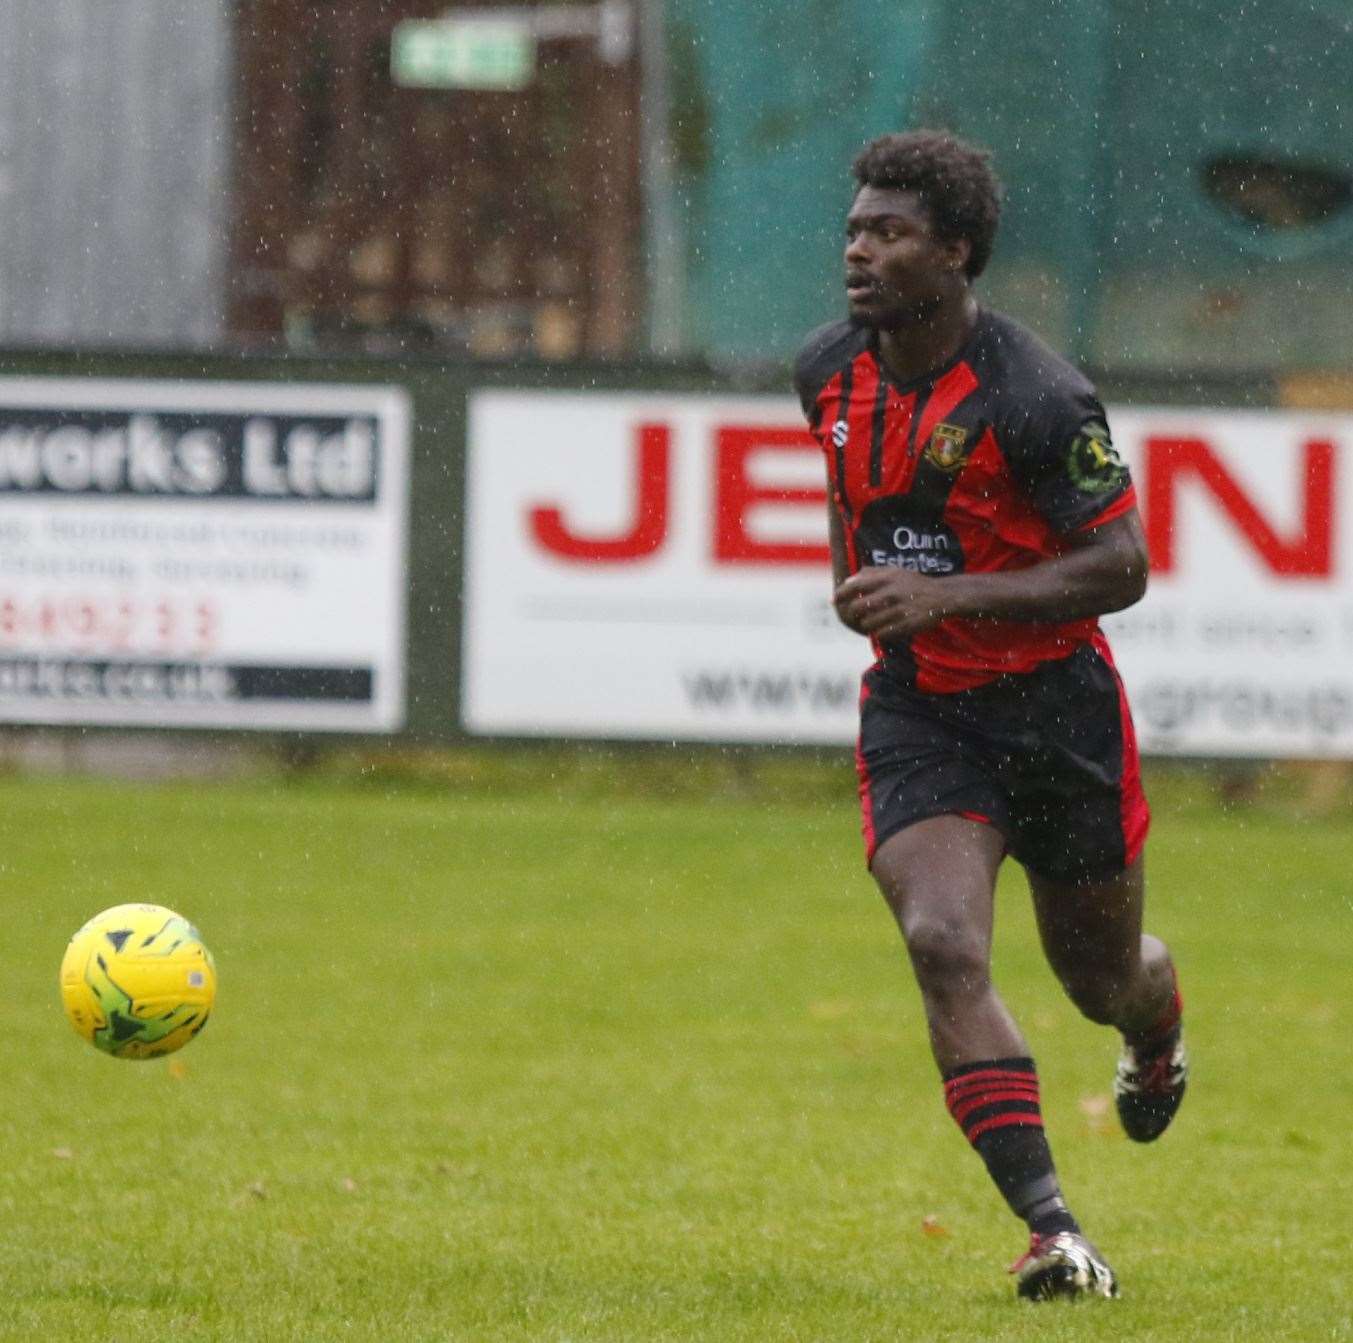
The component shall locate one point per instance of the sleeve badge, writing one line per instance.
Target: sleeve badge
(1092, 462)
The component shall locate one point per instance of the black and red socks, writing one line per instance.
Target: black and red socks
(996, 1104)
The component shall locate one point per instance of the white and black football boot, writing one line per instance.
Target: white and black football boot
(1064, 1265)
(1147, 1091)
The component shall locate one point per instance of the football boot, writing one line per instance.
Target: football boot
(1063, 1265)
(1148, 1090)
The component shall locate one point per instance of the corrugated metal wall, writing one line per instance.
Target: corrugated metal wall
(1110, 120)
(114, 158)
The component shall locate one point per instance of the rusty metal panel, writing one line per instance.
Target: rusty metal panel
(114, 161)
(374, 216)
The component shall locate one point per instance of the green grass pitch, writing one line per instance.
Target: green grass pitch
(552, 1059)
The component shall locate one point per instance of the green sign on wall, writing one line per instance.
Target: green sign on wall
(462, 54)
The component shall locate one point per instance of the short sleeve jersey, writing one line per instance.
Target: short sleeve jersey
(988, 464)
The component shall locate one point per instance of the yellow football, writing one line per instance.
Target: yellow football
(137, 981)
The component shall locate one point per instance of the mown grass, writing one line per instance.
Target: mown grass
(586, 1053)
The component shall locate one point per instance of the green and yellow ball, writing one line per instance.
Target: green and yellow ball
(137, 981)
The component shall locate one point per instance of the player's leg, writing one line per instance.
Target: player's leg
(938, 876)
(1119, 976)
(1079, 824)
(1092, 936)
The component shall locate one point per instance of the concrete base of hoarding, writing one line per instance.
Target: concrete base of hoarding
(125, 755)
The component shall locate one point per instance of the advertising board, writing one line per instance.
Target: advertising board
(655, 567)
(202, 554)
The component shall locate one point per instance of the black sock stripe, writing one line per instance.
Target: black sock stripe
(1020, 1065)
(984, 1112)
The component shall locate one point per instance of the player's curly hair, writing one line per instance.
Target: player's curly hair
(952, 177)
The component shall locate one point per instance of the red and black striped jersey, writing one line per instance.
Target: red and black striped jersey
(986, 464)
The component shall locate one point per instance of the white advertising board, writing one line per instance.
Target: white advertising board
(1244, 642)
(655, 566)
(202, 554)
(650, 567)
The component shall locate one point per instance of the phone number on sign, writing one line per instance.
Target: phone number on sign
(117, 624)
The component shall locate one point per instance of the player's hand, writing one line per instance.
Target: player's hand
(889, 603)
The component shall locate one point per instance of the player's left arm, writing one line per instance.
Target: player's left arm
(1102, 569)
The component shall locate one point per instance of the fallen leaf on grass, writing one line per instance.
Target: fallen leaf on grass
(1096, 1110)
(933, 1227)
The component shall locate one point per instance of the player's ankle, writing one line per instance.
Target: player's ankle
(1147, 1045)
(1161, 1032)
(1054, 1222)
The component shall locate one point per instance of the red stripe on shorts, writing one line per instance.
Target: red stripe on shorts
(1136, 815)
(866, 787)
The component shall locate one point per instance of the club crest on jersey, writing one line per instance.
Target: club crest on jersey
(840, 433)
(948, 447)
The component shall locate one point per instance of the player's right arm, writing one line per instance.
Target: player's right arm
(836, 539)
(822, 356)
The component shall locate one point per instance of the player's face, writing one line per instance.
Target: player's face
(897, 272)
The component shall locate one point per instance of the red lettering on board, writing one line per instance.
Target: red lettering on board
(1308, 553)
(736, 495)
(648, 528)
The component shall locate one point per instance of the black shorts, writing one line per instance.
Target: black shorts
(1048, 757)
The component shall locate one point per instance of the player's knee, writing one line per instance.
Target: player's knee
(948, 958)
